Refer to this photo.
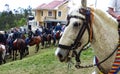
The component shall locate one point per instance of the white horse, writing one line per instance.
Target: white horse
(2, 53)
(101, 31)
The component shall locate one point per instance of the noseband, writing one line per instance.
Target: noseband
(86, 25)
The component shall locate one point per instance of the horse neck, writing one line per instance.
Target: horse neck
(105, 36)
(105, 30)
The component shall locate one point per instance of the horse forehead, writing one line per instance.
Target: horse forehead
(75, 16)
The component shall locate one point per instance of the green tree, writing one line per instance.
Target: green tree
(16, 18)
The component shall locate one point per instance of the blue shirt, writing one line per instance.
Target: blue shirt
(58, 28)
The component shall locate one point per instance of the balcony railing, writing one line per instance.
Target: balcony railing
(49, 17)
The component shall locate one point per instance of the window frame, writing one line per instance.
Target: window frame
(50, 13)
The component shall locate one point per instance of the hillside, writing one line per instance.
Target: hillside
(45, 62)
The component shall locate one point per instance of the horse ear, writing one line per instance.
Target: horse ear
(84, 3)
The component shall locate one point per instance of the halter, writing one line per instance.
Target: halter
(86, 25)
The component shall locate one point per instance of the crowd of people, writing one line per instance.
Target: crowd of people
(8, 37)
(17, 33)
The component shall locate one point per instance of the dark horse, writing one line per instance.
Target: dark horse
(19, 45)
(46, 39)
(2, 53)
(35, 41)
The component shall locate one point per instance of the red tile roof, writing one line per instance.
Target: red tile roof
(41, 6)
(51, 5)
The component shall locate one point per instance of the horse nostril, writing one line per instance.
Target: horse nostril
(59, 55)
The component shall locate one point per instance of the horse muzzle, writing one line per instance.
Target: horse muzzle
(63, 55)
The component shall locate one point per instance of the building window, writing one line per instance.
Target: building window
(35, 13)
(41, 13)
(49, 13)
(59, 13)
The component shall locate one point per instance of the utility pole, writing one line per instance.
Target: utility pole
(95, 3)
(84, 3)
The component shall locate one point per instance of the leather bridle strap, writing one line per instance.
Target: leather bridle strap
(78, 38)
(87, 24)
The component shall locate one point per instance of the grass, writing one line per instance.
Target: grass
(45, 62)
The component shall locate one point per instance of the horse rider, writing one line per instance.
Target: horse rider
(30, 35)
(46, 31)
(16, 34)
(38, 32)
(114, 10)
(56, 29)
(6, 35)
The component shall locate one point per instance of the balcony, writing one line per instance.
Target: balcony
(49, 17)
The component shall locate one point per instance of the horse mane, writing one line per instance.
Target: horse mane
(107, 27)
(108, 18)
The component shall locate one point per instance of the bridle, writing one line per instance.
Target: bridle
(87, 25)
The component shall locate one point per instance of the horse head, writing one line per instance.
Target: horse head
(75, 34)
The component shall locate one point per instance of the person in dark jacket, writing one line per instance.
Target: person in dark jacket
(30, 34)
(57, 28)
(16, 34)
(38, 32)
(29, 38)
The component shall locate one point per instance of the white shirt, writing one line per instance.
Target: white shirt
(115, 4)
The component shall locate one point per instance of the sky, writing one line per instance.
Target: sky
(101, 4)
(14, 4)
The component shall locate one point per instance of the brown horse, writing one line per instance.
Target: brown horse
(35, 41)
(19, 45)
(2, 53)
(57, 36)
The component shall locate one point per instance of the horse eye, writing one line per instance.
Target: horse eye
(76, 24)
